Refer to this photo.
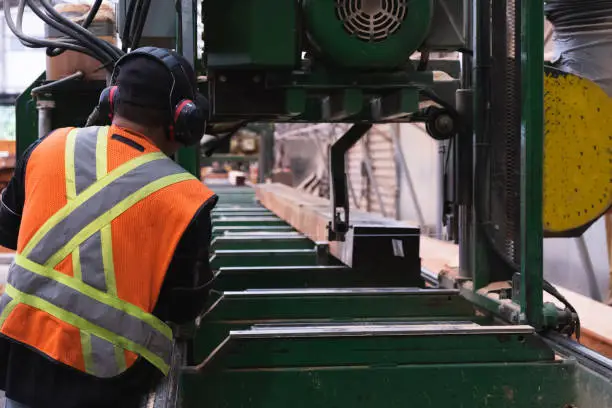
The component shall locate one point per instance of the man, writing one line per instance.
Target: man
(112, 242)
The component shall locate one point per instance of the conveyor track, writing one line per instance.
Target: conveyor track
(288, 327)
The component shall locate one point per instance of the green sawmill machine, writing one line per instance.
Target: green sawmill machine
(291, 325)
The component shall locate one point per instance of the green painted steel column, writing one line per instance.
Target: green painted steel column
(189, 159)
(532, 156)
(481, 42)
(26, 116)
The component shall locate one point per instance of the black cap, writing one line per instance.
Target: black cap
(145, 82)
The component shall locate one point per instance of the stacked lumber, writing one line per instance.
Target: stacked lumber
(310, 215)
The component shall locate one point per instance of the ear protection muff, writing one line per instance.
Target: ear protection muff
(189, 109)
(108, 101)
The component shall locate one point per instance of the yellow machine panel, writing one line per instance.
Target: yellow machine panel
(577, 153)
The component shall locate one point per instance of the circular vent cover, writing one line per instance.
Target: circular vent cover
(366, 34)
(372, 20)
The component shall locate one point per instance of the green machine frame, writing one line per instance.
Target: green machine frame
(271, 329)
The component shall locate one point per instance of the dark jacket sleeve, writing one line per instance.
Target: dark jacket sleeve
(13, 199)
(187, 283)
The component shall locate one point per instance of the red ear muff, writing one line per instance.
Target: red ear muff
(189, 122)
(108, 102)
(113, 94)
(180, 107)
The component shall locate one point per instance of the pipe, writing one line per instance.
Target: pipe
(51, 85)
(587, 263)
(440, 187)
(44, 117)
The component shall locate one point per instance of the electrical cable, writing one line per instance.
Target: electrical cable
(141, 23)
(53, 23)
(74, 30)
(573, 328)
(86, 23)
(113, 51)
(125, 35)
(90, 46)
(134, 21)
(33, 42)
(92, 14)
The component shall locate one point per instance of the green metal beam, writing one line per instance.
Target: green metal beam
(279, 257)
(217, 231)
(532, 155)
(282, 277)
(248, 221)
(26, 116)
(259, 243)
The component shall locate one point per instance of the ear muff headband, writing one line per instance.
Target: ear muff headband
(188, 120)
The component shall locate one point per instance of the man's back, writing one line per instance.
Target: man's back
(102, 215)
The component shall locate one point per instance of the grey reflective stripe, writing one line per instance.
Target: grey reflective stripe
(97, 313)
(103, 353)
(4, 301)
(92, 264)
(103, 358)
(100, 203)
(85, 158)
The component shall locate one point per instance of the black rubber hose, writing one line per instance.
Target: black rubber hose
(135, 19)
(126, 37)
(70, 33)
(86, 35)
(33, 42)
(88, 20)
(92, 13)
(141, 23)
(91, 47)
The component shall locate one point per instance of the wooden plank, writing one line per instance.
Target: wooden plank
(309, 215)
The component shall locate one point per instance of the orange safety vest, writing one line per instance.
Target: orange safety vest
(100, 224)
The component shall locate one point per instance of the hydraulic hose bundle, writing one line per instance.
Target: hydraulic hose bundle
(75, 37)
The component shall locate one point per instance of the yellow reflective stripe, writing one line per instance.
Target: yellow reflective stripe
(120, 359)
(69, 165)
(87, 194)
(87, 326)
(106, 236)
(76, 264)
(7, 311)
(114, 212)
(96, 294)
(71, 191)
(102, 153)
(87, 354)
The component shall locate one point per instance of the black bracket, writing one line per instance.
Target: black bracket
(339, 224)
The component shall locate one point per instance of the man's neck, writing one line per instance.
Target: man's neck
(155, 136)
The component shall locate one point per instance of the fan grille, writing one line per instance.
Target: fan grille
(371, 20)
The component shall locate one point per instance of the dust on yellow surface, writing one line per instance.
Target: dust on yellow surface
(577, 152)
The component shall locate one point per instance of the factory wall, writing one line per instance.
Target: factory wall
(420, 152)
(19, 66)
